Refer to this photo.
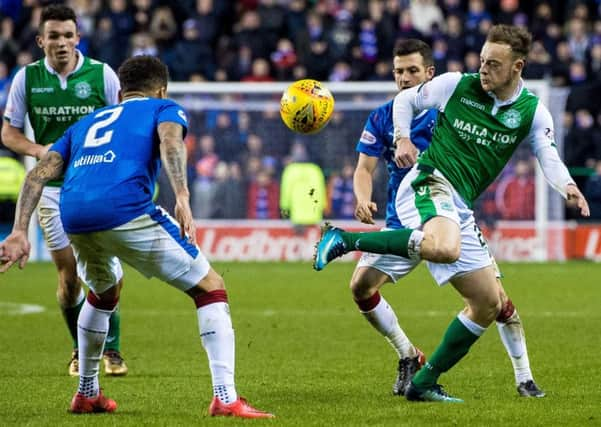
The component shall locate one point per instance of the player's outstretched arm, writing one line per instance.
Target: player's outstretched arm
(16, 247)
(556, 173)
(173, 156)
(363, 188)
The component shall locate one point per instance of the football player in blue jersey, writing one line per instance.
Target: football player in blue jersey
(111, 159)
(413, 64)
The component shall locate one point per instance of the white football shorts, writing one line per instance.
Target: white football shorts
(474, 255)
(424, 194)
(394, 266)
(50, 219)
(150, 243)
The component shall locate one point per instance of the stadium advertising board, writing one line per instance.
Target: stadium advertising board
(278, 241)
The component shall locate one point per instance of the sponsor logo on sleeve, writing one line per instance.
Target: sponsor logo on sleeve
(367, 138)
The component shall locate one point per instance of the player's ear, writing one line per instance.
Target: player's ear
(162, 92)
(430, 71)
(39, 41)
(519, 64)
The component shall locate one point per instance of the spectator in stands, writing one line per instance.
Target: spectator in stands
(250, 31)
(191, 54)
(542, 19)
(455, 38)
(340, 193)
(302, 190)
(594, 67)
(202, 188)
(515, 193)
(425, 14)
(341, 35)
(263, 197)
(343, 127)
(143, 44)
(229, 192)
(560, 71)
(142, 13)
(228, 142)
(582, 141)
(295, 16)
(406, 29)
(260, 72)
(578, 39)
(272, 16)
(592, 191)
(103, 43)
(283, 59)
(476, 12)
(123, 24)
(539, 62)
(8, 46)
(163, 28)
(472, 62)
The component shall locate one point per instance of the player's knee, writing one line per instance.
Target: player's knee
(506, 311)
(68, 291)
(446, 252)
(211, 282)
(361, 288)
(491, 308)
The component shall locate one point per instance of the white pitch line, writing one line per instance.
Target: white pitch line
(13, 308)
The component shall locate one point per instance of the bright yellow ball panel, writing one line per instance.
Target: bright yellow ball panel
(306, 106)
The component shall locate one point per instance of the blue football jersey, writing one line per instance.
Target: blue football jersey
(112, 161)
(377, 141)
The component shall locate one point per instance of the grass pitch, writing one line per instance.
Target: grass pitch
(304, 352)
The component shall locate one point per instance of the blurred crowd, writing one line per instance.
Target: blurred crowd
(329, 40)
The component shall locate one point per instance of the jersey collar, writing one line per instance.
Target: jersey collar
(63, 80)
(511, 100)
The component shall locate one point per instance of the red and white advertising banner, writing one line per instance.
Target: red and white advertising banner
(240, 240)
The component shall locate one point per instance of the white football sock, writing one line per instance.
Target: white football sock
(414, 245)
(92, 328)
(512, 335)
(384, 320)
(217, 335)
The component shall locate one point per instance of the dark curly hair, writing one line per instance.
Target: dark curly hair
(56, 12)
(142, 73)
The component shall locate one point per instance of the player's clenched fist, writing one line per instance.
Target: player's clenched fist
(405, 153)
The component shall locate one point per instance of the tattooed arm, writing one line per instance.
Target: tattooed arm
(173, 157)
(16, 247)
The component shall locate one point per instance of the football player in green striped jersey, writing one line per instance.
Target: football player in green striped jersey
(483, 118)
(54, 92)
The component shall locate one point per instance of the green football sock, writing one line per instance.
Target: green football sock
(380, 242)
(70, 315)
(113, 338)
(455, 344)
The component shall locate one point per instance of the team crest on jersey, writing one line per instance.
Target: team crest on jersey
(82, 90)
(511, 118)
